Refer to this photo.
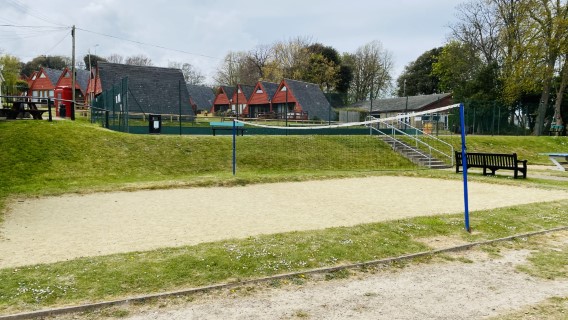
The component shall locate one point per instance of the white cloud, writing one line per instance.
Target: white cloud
(210, 29)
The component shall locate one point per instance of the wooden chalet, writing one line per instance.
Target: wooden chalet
(151, 90)
(240, 98)
(94, 86)
(42, 83)
(301, 101)
(259, 104)
(223, 99)
(200, 98)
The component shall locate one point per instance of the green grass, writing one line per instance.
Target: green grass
(41, 158)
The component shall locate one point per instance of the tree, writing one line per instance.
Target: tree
(11, 67)
(372, 67)
(417, 78)
(138, 60)
(115, 58)
(52, 62)
(91, 60)
(190, 74)
(292, 56)
(235, 69)
(550, 18)
(478, 26)
(457, 68)
(260, 58)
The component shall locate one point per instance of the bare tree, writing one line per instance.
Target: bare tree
(115, 58)
(190, 74)
(479, 27)
(372, 69)
(235, 69)
(260, 57)
(138, 60)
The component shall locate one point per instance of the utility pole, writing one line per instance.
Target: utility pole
(72, 106)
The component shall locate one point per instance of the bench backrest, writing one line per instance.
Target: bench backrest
(488, 159)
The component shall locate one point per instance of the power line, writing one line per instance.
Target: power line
(31, 12)
(150, 45)
(34, 27)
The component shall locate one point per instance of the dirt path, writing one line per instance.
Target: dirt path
(54, 229)
(471, 286)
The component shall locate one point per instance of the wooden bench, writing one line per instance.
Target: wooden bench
(240, 127)
(493, 162)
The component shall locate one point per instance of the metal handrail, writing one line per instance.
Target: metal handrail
(404, 133)
(450, 156)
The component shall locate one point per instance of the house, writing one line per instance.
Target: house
(240, 98)
(149, 90)
(42, 83)
(200, 98)
(384, 108)
(300, 100)
(260, 101)
(223, 99)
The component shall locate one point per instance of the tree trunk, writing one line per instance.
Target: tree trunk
(543, 104)
(558, 120)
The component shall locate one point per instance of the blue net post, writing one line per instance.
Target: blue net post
(464, 166)
(234, 147)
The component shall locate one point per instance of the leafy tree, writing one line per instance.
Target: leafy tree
(321, 71)
(457, 66)
(550, 20)
(11, 67)
(53, 62)
(417, 78)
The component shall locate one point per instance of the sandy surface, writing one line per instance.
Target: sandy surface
(60, 228)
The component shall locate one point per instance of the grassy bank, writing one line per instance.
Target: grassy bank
(46, 158)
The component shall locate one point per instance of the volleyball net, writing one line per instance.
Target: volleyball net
(300, 146)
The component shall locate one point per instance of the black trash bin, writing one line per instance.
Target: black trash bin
(155, 125)
(62, 110)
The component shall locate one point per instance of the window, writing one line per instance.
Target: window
(42, 75)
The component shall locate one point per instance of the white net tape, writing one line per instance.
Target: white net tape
(351, 124)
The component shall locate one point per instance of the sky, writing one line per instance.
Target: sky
(202, 32)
